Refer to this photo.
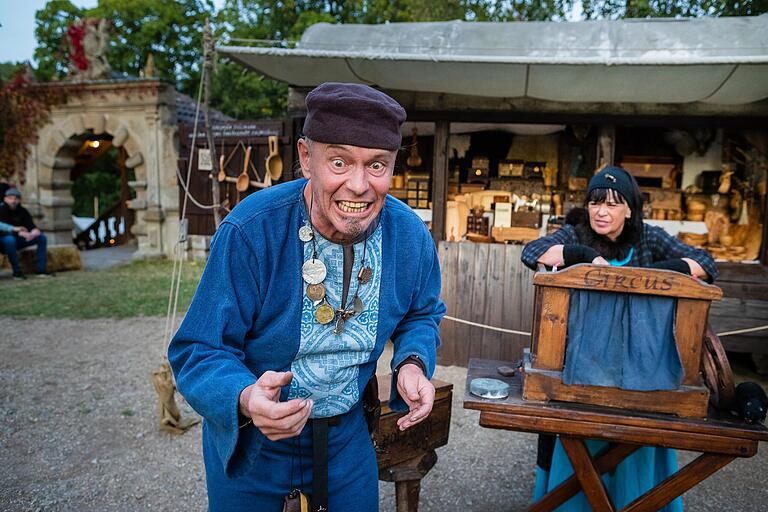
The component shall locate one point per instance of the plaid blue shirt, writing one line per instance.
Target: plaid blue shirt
(655, 245)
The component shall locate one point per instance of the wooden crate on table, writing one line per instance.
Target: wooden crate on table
(544, 362)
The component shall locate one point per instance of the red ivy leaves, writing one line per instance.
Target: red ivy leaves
(75, 34)
(24, 108)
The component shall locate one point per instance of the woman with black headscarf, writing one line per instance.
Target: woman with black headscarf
(610, 231)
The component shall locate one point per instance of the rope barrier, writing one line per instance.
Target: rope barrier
(522, 333)
(484, 326)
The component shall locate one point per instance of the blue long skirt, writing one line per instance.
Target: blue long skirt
(260, 482)
(632, 478)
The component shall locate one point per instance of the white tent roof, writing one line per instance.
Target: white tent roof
(713, 60)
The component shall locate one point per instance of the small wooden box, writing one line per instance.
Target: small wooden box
(526, 220)
(477, 225)
(394, 446)
(514, 234)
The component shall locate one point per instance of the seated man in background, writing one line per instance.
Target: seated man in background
(23, 233)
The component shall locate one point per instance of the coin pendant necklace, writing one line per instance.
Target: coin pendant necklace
(314, 272)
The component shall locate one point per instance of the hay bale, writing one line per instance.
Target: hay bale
(60, 258)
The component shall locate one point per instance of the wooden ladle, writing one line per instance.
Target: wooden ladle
(242, 180)
(414, 160)
(274, 162)
(222, 174)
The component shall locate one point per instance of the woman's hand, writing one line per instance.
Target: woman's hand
(696, 269)
(553, 257)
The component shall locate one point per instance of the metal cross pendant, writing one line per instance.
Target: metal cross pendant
(342, 315)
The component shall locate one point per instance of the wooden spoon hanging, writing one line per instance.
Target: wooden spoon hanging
(414, 160)
(222, 174)
(242, 180)
(274, 162)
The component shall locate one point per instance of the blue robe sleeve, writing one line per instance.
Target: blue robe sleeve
(418, 333)
(206, 354)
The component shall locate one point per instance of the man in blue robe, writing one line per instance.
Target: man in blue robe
(305, 283)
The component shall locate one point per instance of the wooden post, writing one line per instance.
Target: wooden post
(208, 51)
(440, 180)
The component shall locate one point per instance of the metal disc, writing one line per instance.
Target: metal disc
(316, 292)
(489, 388)
(324, 313)
(313, 271)
(305, 233)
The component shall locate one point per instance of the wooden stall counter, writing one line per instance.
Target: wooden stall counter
(719, 437)
(405, 457)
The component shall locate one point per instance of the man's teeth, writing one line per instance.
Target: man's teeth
(351, 207)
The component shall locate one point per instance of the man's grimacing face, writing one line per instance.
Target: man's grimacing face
(347, 186)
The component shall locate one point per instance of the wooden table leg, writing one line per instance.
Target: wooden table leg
(604, 463)
(407, 477)
(585, 470)
(407, 495)
(686, 478)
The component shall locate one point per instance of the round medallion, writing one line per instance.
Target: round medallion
(313, 271)
(365, 274)
(324, 313)
(316, 292)
(305, 233)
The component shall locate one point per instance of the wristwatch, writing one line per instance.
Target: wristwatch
(413, 359)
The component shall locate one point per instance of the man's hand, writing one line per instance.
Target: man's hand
(33, 234)
(417, 392)
(600, 261)
(276, 420)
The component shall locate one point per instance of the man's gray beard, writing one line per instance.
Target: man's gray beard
(354, 229)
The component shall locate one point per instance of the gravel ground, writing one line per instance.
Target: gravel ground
(78, 432)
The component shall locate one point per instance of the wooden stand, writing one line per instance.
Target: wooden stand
(720, 438)
(404, 457)
(544, 363)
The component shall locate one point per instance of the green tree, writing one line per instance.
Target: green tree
(51, 23)
(615, 9)
(170, 30)
(244, 94)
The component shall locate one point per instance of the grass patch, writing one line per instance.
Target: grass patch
(139, 288)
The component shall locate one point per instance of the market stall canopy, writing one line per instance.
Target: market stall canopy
(713, 60)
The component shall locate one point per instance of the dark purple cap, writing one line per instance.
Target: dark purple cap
(355, 115)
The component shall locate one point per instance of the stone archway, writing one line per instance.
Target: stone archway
(140, 117)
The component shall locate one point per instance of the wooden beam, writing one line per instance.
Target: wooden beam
(440, 180)
(587, 473)
(629, 280)
(685, 479)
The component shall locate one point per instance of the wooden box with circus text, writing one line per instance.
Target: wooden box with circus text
(544, 362)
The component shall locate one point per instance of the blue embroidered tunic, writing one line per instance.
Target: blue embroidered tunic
(246, 318)
(326, 366)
